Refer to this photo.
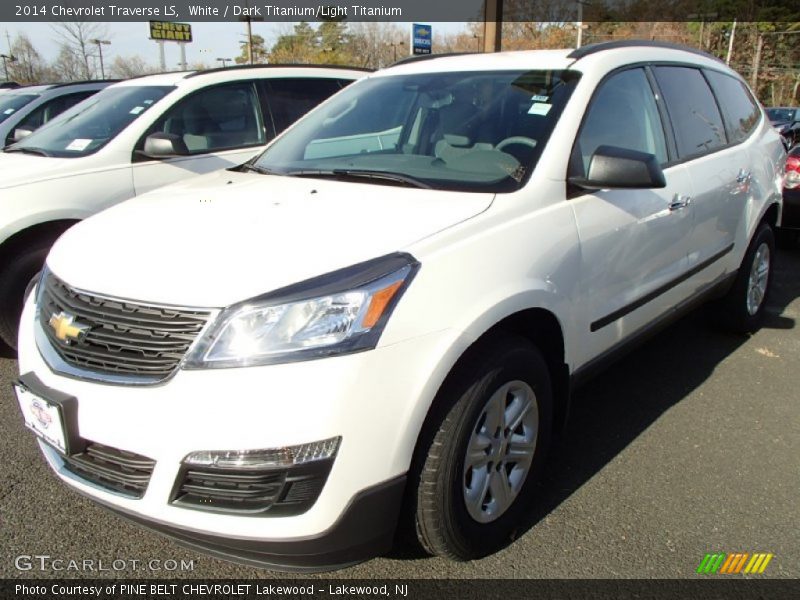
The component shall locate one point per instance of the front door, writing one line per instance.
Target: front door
(221, 126)
(633, 242)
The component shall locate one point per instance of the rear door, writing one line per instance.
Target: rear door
(718, 167)
(222, 126)
(633, 242)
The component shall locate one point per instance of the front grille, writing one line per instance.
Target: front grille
(117, 470)
(121, 337)
(262, 492)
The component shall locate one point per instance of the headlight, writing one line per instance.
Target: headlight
(337, 313)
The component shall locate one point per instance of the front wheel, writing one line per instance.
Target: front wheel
(14, 280)
(477, 469)
(743, 308)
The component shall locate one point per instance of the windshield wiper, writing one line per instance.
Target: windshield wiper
(362, 173)
(36, 151)
(251, 168)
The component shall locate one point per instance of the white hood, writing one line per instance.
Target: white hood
(226, 237)
(18, 168)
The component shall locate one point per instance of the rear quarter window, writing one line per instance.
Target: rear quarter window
(738, 107)
(291, 98)
(693, 110)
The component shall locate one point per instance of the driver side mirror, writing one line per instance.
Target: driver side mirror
(164, 145)
(619, 168)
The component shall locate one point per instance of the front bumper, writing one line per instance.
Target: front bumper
(375, 401)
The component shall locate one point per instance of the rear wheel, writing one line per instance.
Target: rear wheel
(477, 470)
(743, 308)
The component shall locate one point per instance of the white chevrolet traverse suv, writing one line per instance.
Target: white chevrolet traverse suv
(383, 314)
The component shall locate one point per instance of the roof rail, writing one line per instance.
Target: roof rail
(275, 66)
(603, 46)
(421, 57)
(83, 82)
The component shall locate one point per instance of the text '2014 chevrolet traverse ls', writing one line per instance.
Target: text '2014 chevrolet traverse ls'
(383, 313)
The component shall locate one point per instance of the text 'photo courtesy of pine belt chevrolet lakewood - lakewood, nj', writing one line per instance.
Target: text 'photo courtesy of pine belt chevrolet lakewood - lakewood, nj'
(370, 328)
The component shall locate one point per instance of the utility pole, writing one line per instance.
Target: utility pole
(100, 44)
(730, 44)
(394, 46)
(580, 25)
(493, 26)
(9, 58)
(756, 64)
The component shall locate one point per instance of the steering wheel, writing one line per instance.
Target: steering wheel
(516, 139)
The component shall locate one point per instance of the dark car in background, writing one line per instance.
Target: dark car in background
(786, 120)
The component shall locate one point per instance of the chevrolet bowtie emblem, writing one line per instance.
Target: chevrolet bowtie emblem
(66, 329)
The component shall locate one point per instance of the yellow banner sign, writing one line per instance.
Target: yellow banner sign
(170, 32)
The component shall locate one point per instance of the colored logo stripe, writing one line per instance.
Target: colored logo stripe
(758, 563)
(720, 562)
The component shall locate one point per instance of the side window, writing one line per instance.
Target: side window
(692, 109)
(218, 118)
(623, 113)
(740, 110)
(290, 99)
(49, 110)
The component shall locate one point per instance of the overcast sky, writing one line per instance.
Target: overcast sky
(211, 40)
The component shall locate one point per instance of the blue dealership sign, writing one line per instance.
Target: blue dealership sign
(421, 38)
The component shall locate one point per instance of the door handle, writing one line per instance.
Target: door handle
(679, 202)
(743, 176)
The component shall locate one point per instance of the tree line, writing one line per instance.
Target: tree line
(767, 54)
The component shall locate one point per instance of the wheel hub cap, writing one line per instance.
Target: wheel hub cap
(757, 283)
(500, 451)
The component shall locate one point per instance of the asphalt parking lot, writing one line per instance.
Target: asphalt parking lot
(689, 445)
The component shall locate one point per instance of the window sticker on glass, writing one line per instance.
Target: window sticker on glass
(8, 111)
(136, 110)
(540, 98)
(78, 144)
(148, 102)
(539, 108)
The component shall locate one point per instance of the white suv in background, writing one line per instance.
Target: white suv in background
(133, 137)
(384, 313)
(25, 109)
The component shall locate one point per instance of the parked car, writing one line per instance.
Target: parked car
(384, 313)
(789, 233)
(787, 121)
(23, 110)
(133, 137)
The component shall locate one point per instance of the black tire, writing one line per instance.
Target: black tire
(732, 310)
(14, 279)
(443, 522)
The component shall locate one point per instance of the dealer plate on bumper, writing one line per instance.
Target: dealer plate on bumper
(50, 414)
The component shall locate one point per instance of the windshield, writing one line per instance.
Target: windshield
(780, 115)
(471, 131)
(11, 103)
(91, 124)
